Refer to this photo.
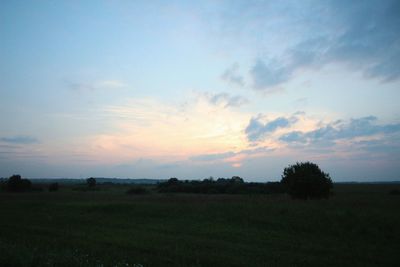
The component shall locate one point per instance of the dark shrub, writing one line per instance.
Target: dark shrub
(53, 187)
(137, 190)
(16, 184)
(91, 182)
(172, 181)
(306, 180)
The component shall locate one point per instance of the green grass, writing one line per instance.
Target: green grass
(358, 226)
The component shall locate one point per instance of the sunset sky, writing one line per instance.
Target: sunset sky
(192, 89)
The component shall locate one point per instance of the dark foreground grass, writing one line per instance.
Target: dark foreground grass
(358, 226)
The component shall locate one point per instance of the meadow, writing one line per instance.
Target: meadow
(357, 226)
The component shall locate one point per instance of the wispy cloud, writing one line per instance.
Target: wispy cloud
(20, 139)
(213, 156)
(233, 158)
(232, 76)
(96, 85)
(170, 132)
(225, 99)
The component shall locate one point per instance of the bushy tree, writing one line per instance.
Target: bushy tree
(91, 182)
(16, 184)
(306, 180)
(237, 179)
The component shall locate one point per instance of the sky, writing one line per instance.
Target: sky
(193, 89)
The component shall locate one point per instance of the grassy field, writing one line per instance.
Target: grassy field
(358, 226)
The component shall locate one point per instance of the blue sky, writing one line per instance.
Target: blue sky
(212, 88)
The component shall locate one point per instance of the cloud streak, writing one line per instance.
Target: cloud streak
(98, 85)
(225, 100)
(20, 140)
(213, 157)
(234, 158)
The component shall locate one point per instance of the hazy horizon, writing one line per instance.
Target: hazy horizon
(154, 89)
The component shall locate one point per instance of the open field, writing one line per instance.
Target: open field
(358, 226)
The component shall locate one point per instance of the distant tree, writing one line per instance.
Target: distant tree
(237, 179)
(53, 187)
(306, 180)
(91, 182)
(172, 181)
(16, 184)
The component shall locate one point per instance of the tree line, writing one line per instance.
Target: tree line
(301, 180)
(234, 185)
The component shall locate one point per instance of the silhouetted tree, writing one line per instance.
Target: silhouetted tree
(91, 182)
(172, 181)
(16, 184)
(237, 179)
(306, 180)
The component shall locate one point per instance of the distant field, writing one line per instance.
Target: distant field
(358, 226)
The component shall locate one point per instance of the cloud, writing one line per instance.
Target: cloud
(256, 150)
(169, 132)
(110, 84)
(225, 99)
(295, 136)
(230, 154)
(387, 145)
(371, 39)
(266, 77)
(21, 139)
(213, 157)
(361, 127)
(257, 130)
(232, 76)
(364, 36)
(98, 85)
(8, 146)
